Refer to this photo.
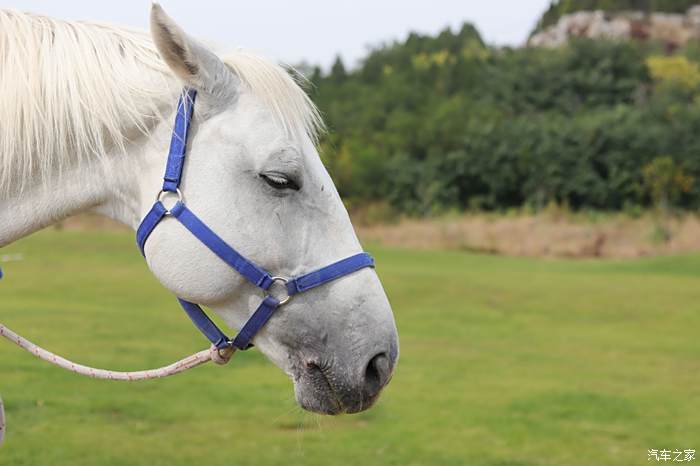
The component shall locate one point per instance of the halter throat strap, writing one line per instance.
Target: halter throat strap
(255, 274)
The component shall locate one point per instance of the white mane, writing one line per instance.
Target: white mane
(71, 91)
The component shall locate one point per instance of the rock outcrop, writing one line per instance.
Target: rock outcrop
(674, 30)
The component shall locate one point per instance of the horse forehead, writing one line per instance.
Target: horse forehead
(255, 129)
(252, 126)
(251, 112)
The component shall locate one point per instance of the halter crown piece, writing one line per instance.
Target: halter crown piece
(252, 272)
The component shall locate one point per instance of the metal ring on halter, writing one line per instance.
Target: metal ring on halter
(284, 281)
(163, 193)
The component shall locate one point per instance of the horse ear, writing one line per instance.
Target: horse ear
(192, 62)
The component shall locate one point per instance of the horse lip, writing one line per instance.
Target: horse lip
(315, 372)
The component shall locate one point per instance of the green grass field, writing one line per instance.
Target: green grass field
(504, 361)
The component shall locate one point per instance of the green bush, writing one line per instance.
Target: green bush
(435, 124)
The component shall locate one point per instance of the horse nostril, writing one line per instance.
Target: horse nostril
(377, 373)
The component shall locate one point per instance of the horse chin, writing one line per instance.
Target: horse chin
(314, 394)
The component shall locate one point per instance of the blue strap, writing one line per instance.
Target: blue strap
(256, 275)
(259, 318)
(149, 222)
(329, 273)
(178, 141)
(243, 340)
(205, 324)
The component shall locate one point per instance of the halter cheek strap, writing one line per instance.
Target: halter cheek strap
(247, 268)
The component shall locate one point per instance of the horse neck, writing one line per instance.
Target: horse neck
(116, 186)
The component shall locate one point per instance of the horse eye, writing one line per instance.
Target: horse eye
(279, 181)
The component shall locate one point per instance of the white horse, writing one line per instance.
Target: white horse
(85, 119)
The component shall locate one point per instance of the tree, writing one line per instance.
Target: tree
(438, 123)
(338, 73)
(665, 181)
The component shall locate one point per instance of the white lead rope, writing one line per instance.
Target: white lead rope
(212, 354)
(2, 422)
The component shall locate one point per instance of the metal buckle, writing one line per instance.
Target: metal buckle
(161, 195)
(284, 281)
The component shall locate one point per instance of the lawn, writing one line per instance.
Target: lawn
(504, 361)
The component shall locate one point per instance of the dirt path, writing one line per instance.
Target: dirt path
(546, 235)
(615, 236)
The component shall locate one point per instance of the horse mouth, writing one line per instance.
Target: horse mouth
(315, 392)
(319, 390)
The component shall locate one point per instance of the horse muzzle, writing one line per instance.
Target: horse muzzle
(337, 387)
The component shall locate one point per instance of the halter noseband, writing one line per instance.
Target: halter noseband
(252, 272)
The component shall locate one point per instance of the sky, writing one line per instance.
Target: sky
(313, 31)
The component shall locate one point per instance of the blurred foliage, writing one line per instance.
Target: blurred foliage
(675, 70)
(666, 181)
(434, 124)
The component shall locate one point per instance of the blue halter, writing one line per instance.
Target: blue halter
(252, 272)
